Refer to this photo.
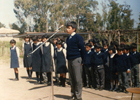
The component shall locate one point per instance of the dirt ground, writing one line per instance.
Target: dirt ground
(25, 89)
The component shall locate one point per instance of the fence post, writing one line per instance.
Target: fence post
(119, 37)
(137, 42)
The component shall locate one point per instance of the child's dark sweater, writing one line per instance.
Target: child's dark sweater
(128, 61)
(97, 59)
(75, 47)
(120, 63)
(87, 61)
(135, 58)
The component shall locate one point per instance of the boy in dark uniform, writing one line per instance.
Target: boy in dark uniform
(75, 54)
(87, 64)
(97, 61)
(128, 63)
(120, 64)
(61, 63)
(14, 58)
(47, 58)
(27, 48)
(37, 59)
(135, 58)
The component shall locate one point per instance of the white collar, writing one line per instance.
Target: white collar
(37, 43)
(98, 52)
(40, 42)
(47, 43)
(72, 34)
(106, 50)
(27, 42)
(127, 54)
(134, 53)
(92, 47)
(59, 49)
(89, 51)
(116, 51)
(112, 55)
(13, 47)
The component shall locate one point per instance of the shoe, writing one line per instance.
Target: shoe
(15, 79)
(72, 98)
(49, 84)
(111, 89)
(40, 82)
(101, 89)
(117, 90)
(97, 88)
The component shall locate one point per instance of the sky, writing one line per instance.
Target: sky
(7, 15)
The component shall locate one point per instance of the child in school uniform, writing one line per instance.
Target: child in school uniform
(111, 69)
(120, 64)
(128, 64)
(135, 58)
(116, 44)
(87, 64)
(47, 58)
(106, 54)
(37, 60)
(14, 58)
(27, 61)
(61, 63)
(55, 59)
(61, 38)
(75, 53)
(97, 61)
(93, 42)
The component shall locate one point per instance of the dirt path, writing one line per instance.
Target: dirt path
(26, 89)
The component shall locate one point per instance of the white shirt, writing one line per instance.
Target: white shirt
(89, 51)
(72, 34)
(112, 55)
(92, 47)
(134, 53)
(127, 54)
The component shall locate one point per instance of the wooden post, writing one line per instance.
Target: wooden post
(109, 38)
(137, 42)
(2, 50)
(119, 37)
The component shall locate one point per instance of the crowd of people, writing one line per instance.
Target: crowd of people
(114, 67)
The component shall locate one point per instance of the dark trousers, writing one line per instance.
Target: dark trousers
(89, 73)
(135, 76)
(100, 77)
(123, 80)
(84, 77)
(75, 75)
(93, 78)
(129, 79)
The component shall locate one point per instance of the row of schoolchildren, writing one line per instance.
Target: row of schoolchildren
(104, 66)
(42, 60)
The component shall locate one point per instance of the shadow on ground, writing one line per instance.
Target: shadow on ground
(62, 96)
(25, 77)
(38, 87)
(100, 95)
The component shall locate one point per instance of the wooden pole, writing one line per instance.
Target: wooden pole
(119, 37)
(137, 42)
